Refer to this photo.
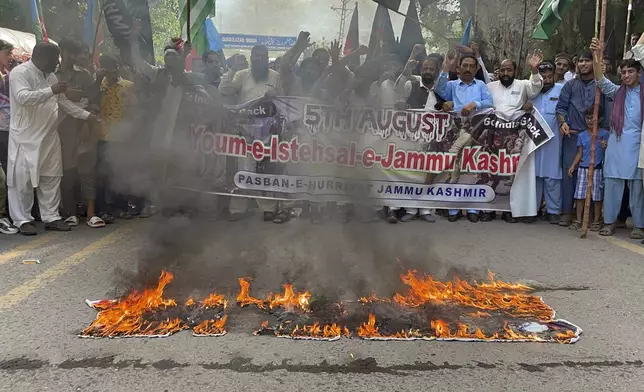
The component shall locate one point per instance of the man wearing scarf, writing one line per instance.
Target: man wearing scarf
(622, 155)
(577, 95)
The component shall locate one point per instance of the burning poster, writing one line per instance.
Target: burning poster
(295, 148)
(431, 310)
(149, 314)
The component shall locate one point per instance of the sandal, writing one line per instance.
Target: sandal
(107, 218)
(607, 231)
(565, 221)
(595, 227)
(575, 225)
(95, 222)
(637, 234)
(283, 216)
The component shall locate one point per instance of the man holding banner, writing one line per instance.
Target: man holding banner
(465, 96)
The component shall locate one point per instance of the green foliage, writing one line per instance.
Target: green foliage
(165, 24)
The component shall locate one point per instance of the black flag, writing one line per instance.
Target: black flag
(393, 5)
(411, 34)
(120, 16)
(382, 40)
(353, 36)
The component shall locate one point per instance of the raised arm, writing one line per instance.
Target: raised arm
(150, 71)
(536, 81)
(24, 95)
(231, 80)
(348, 59)
(607, 87)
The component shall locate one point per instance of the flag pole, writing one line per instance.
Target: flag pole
(188, 20)
(98, 25)
(601, 17)
(628, 26)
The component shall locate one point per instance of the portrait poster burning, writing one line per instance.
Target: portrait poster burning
(290, 148)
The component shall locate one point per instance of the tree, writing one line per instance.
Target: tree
(164, 15)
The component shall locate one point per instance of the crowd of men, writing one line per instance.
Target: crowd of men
(68, 123)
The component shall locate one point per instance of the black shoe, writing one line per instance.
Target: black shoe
(472, 217)
(268, 216)
(28, 229)
(507, 216)
(391, 217)
(455, 218)
(488, 216)
(58, 225)
(554, 219)
(530, 219)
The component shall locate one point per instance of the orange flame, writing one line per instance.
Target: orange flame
(370, 330)
(496, 295)
(289, 300)
(244, 298)
(125, 316)
(211, 327)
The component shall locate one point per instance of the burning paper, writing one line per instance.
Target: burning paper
(149, 314)
(430, 310)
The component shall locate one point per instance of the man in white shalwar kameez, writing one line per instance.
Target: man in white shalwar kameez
(34, 156)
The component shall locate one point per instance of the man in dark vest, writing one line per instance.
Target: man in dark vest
(417, 92)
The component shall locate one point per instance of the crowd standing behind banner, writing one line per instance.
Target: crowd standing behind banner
(50, 129)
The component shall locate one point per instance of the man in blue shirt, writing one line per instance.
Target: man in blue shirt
(577, 95)
(548, 168)
(465, 96)
(622, 156)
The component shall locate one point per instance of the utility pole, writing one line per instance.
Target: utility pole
(343, 11)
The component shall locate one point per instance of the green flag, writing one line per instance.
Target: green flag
(552, 13)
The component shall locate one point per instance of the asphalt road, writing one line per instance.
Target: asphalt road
(594, 283)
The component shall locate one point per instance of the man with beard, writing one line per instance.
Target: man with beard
(465, 95)
(34, 157)
(623, 152)
(577, 95)
(417, 92)
(509, 97)
(563, 64)
(548, 169)
(250, 84)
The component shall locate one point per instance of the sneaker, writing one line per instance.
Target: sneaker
(6, 227)
(72, 221)
(28, 229)
(58, 225)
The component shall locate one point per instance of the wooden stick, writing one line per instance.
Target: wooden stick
(628, 27)
(591, 170)
(188, 20)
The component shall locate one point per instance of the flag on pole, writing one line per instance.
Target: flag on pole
(353, 35)
(93, 30)
(38, 22)
(199, 11)
(466, 34)
(552, 13)
(411, 34)
(382, 40)
(393, 5)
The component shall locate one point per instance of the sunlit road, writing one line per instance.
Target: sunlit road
(594, 283)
